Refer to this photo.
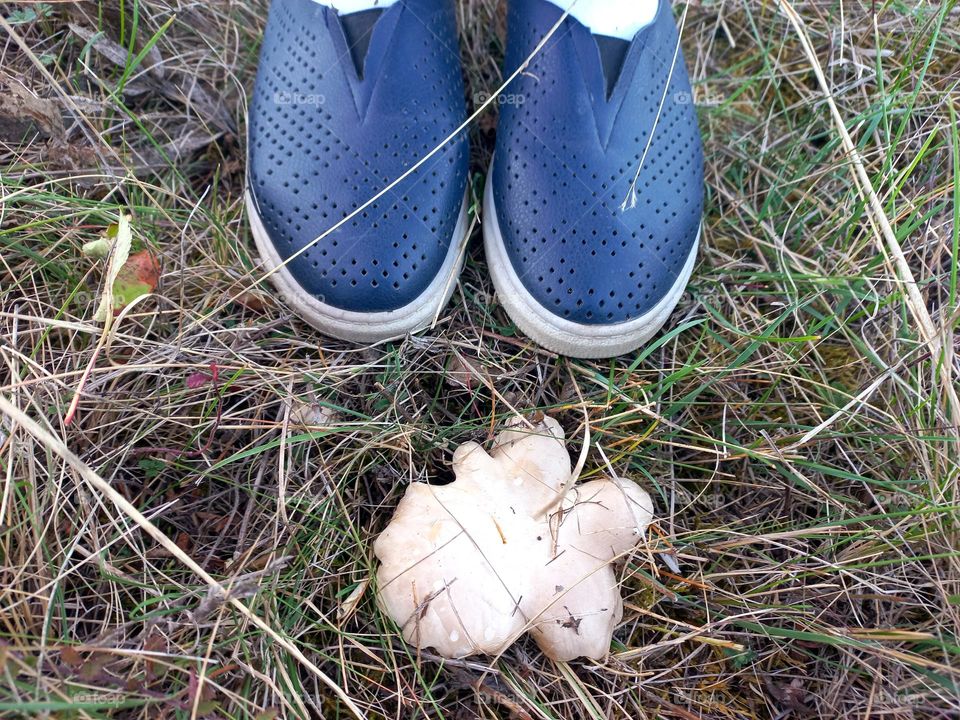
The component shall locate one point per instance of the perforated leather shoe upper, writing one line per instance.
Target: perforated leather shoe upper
(341, 109)
(568, 152)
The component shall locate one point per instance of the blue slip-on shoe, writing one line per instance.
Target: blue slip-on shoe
(344, 105)
(588, 257)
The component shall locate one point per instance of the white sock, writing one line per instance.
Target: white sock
(615, 18)
(345, 7)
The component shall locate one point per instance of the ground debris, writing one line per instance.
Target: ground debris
(174, 85)
(25, 117)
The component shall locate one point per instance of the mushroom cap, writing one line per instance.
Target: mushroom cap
(468, 567)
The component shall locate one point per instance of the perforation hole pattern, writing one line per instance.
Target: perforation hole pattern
(322, 143)
(559, 187)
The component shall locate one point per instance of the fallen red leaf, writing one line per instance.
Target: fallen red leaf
(199, 379)
(139, 276)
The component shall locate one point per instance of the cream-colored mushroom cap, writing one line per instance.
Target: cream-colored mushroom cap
(468, 567)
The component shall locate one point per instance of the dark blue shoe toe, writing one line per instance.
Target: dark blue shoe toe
(343, 107)
(588, 257)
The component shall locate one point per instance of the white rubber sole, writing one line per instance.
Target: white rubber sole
(360, 327)
(564, 336)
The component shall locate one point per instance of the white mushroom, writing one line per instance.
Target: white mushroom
(467, 568)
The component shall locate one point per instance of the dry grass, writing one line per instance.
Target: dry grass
(793, 422)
